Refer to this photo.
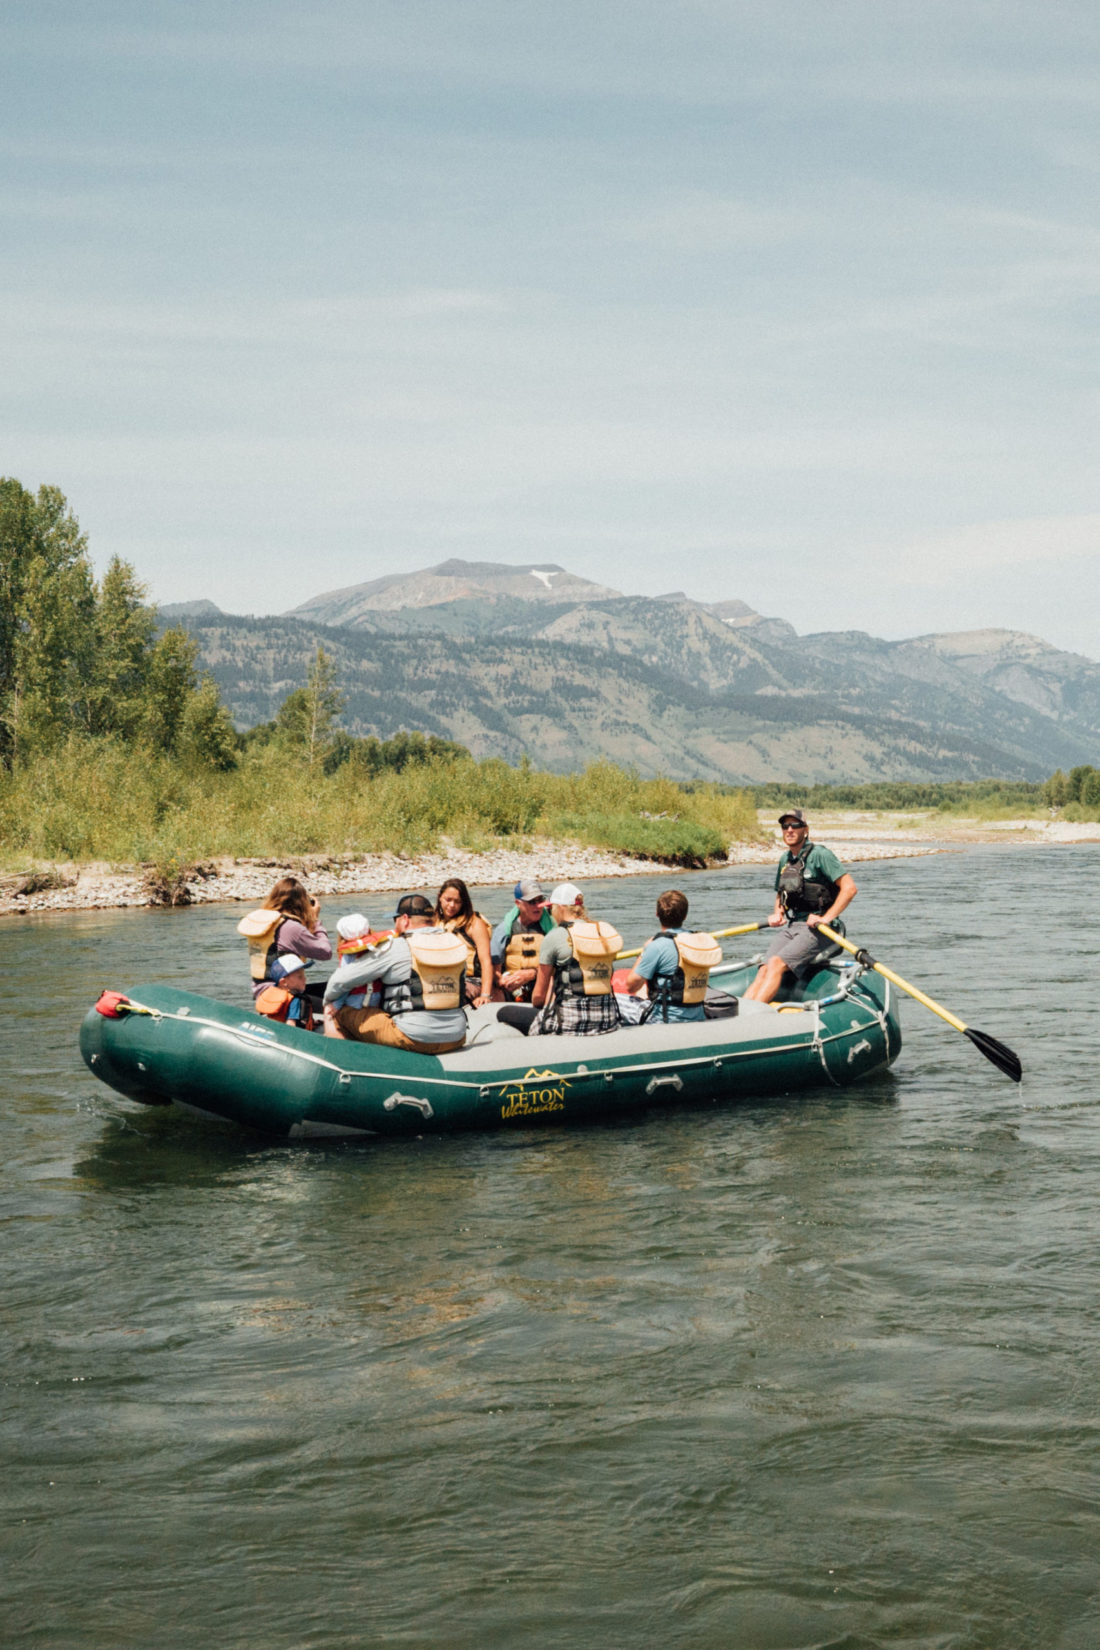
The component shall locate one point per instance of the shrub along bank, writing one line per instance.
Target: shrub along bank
(107, 799)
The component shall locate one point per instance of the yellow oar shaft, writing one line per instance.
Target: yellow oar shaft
(896, 979)
(721, 934)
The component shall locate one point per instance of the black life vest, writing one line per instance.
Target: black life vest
(800, 895)
(672, 990)
(568, 979)
(668, 989)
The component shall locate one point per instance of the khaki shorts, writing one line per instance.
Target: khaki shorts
(373, 1025)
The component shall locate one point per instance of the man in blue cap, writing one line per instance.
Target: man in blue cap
(515, 942)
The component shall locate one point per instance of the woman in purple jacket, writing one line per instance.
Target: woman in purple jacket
(302, 930)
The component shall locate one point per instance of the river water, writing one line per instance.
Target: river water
(821, 1371)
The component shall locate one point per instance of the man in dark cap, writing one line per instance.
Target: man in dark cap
(404, 1020)
(811, 886)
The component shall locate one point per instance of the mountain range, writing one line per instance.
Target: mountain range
(533, 659)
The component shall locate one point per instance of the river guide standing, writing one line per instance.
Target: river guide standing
(811, 886)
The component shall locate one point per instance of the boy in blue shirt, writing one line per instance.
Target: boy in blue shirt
(657, 966)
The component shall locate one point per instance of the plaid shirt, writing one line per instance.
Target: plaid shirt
(581, 1016)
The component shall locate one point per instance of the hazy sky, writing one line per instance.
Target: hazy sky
(792, 302)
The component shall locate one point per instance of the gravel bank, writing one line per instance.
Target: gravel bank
(101, 887)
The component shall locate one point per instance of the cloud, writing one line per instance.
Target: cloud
(699, 221)
(691, 53)
(987, 546)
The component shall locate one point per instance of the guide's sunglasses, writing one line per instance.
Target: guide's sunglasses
(787, 829)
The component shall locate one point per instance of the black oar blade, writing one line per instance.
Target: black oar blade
(1001, 1055)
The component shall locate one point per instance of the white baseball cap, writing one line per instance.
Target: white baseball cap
(566, 893)
(286, 964)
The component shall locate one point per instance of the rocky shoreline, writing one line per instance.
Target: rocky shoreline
(105, 887)
(854, 836)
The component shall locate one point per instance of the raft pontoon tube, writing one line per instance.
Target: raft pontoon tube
(163, 1046)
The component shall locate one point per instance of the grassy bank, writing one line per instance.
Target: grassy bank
(105, 800)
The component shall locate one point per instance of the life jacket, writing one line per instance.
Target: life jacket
(276, 1003)
(435, 983)
(364, 942)
(524, 944)
(587, 973)
(801, 896)
(261, 930)
(453, 925)
(372, 941)
(686, 986)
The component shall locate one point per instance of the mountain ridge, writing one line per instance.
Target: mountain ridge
(530, 659)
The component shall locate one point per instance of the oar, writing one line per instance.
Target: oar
(721, 934)
(1001, 1056)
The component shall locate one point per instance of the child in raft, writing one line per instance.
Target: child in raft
(283, 994)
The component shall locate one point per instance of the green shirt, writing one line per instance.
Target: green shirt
(819, 865)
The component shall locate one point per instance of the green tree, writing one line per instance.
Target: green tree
(47, 597)
(1090, 789)
(169, 685)
(54, 652)
(1056, 790)
(124, 632)
(307, 716)
(82, 658)
(207, 736)
(1077, 777)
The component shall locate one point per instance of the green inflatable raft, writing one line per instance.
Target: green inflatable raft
(162, 1046)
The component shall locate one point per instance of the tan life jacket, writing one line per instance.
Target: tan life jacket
(260, 929)
(522, 950)
(452, 927)
(588, 971)
(699, 953)
(439, 962)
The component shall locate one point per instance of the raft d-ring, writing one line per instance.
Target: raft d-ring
(345, 1077)
(424, 1107)
(673, 1082)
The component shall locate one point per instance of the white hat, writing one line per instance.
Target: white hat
(351, 928)
(288, 963)
(566, 893)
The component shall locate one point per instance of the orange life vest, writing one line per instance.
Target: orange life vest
(276, 1003)
(364, 942)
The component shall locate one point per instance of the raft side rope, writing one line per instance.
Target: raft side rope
(113, 1005)
(260, 1039)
